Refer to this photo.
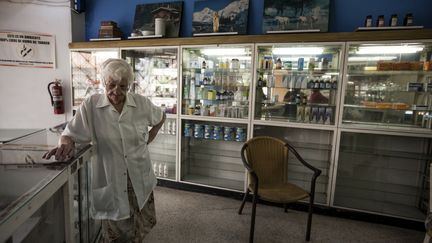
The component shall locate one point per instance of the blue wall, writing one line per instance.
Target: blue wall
(345, 15)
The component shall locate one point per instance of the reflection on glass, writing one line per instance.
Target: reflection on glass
(86, 79)
(156, 75)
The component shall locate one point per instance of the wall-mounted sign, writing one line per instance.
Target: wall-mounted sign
(27, 49)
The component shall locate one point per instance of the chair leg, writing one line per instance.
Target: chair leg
(252, 229)
(285, 207)
(309, 222)
(244, 201)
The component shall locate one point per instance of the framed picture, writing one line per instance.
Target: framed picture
(145, 15)
(295, 16)
(220, 17)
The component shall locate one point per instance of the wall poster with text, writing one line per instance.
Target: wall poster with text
(23, 49)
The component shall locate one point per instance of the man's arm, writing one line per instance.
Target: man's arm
(155, 129)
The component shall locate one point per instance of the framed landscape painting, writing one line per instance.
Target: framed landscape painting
(296, 16)
(220, 17)
(145, 15)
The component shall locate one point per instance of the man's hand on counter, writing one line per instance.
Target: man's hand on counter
(63, 151)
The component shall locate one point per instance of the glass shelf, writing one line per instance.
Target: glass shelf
(297, 83)
(390, 84)
(216, 80)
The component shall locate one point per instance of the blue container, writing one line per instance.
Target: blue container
(199, 131)
(240, 134)
(208, 131)
(229, 134)
(217, 133)
(188, 130)
(300, 64)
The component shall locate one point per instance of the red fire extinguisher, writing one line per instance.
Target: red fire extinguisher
(56, 96)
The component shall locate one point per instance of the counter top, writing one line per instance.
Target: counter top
(27, 180)
(8, 135)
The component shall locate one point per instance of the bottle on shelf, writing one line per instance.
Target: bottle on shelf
(300, 64)
(278, 64)
(380, 21)
(311, 64)
(409, 19)
(160, 170)
(165, 170)
(368, 21)
(155, 169)
(393, 20)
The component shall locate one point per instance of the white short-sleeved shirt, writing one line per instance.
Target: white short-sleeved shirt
(120, 141)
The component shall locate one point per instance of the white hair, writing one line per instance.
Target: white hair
(117, 70)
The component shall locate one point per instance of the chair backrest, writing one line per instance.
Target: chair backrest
(268, 158)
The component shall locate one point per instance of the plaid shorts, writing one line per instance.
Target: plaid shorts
(134, 228)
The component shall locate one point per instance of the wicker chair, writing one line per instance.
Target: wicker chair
(266, 159)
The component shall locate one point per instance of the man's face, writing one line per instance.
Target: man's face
(116, 90)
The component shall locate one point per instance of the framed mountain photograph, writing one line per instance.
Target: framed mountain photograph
(145, 15)
(220, 17)
(282, 16)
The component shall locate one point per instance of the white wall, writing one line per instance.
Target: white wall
(24, 99)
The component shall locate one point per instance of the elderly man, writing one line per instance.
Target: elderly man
(122, 180)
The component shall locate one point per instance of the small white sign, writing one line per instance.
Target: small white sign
(27, 49)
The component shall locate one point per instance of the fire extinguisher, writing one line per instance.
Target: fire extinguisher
(56, 96)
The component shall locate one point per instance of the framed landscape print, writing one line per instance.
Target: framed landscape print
(295, 16)
(220, 17)
(145, 15)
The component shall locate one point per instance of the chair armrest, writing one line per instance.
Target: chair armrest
(316, 171)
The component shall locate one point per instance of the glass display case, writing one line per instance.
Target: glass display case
(298, 82)
(210, 153)
(85, 72)
(163, 150)
(315, 146)
(385, 174)
(156, 77)
(156, 74)
(388, 85)
(216, 80)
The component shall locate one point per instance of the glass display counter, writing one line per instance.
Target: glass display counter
(298, 82)
(44, 200)
(216, 80)
(210, 154)
(388, 85)
(385, 174)
(315, 147)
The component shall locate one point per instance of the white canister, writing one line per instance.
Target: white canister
(160, 26)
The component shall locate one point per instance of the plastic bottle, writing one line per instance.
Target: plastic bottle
(165, 170)
(408, 21)
(160, 170)
(155, 169)
(393, 20)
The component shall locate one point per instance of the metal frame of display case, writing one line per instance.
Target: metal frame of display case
(178, 108)
(335, 167)
(370, 127)
(312, 126)
(337, 95)
(245, 121)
